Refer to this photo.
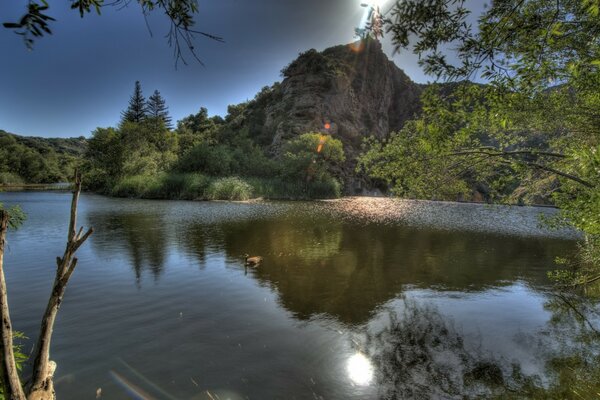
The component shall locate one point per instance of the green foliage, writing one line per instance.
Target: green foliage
(20, 357)
(216, 160)
(9, 178)
(283, 189)
(231, 188)
(302, 160)
(156, 108)
(31, 161)
(176, 186)
(137, 186)
(526, 43)
(191, 186)
(536, 121)
(137, 109)
(200, 123)
(314, 62)
(145, 148)
(16, 216)
(34, 23)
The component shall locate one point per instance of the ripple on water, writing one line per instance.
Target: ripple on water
(487, 218)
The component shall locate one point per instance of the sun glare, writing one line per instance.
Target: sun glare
(375, 3)
(360, 369)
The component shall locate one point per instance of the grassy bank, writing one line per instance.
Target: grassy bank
(195, 186)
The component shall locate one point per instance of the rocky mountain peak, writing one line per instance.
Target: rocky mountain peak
(354, 87)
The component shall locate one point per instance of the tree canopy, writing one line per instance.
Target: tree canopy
(535, 122)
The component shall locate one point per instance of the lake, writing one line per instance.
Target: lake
(162, 307)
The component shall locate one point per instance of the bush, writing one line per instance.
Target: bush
(211, 160)
(166, 186)
(183, 186)
(328, 188)
(229, 189)
(139, 186)
(8, 178)
(280, 189)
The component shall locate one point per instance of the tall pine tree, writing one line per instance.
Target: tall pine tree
(136, 111)
(157, 108)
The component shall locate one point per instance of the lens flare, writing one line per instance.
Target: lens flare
(360, 370)
(375, 3)
(132, 390)
(322, 140)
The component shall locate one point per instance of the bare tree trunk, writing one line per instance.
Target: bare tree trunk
(10, 376)
(41, 387)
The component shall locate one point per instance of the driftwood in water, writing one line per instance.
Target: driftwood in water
(41, 386)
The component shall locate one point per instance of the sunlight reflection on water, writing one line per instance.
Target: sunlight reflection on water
(360, 369)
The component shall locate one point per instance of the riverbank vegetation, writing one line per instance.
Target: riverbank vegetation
(205, 158)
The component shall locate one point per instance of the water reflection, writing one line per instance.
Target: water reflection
(360, 369)
(141, 236)
(419, 353)
(321, 266)
(335, 301)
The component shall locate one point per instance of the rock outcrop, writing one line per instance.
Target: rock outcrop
(355, 88)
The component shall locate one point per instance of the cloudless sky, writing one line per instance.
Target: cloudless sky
(81, 77)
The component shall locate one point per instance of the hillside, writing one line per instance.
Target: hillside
(38, 160)
(355, 88)
(71, 146)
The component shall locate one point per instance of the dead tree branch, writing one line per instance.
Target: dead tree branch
(42, 387)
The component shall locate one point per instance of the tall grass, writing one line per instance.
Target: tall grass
(138, 186)
(195, 186)
(232, 188)
(279, 189)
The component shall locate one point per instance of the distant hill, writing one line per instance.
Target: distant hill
(72, 146)
(26, 159)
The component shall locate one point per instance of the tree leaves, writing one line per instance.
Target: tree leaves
(33, 23)
(85, 6)
(16, 216)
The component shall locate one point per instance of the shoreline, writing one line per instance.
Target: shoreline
(66, 186)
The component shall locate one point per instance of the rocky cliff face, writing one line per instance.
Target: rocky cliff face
(355, 88)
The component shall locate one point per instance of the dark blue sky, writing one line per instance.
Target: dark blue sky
(81, 77)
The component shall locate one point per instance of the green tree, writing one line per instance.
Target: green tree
(145, 148)
(157, 108)
(31, 163)
(198, 128)
(312, 157)
(137, 109)
(536, 120)
(200, 123)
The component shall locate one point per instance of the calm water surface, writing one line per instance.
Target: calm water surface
(161, 306)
